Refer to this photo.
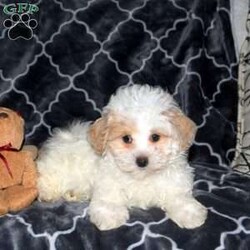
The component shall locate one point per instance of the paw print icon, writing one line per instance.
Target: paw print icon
(20, 26)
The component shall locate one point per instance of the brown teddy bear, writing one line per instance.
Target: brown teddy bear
(18, 174)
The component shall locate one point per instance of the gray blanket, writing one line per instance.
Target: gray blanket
(64, 59)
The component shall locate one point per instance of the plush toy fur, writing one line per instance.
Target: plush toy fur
(18, 174)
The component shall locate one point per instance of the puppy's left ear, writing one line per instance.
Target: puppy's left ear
(185, 127)
(97, 135)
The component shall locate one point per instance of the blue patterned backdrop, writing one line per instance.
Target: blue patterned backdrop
(79, 53)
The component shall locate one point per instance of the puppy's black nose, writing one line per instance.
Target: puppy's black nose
(142, 161)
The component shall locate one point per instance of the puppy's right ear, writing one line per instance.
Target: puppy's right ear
(98, 134)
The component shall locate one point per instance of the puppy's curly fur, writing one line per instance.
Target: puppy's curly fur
(133, 156)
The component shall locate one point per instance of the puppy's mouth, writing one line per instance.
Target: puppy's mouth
(144, 173)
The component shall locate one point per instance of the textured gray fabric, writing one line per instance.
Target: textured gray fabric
(79, 54)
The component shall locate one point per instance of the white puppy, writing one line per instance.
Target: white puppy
(133, 156)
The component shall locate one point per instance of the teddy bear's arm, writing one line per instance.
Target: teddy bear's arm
(22, 195)
(3, 203)
(32, 150)
(30, 171)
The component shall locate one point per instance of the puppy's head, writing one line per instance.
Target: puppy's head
(142, 139)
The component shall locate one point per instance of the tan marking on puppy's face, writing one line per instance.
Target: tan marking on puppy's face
(121, 134)
(158, 138)
(109, 130)
(122, 144)
(137, 147)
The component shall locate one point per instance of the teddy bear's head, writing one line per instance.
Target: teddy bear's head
(11, 128)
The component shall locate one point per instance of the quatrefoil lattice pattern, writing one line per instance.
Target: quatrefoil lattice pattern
(80, 53)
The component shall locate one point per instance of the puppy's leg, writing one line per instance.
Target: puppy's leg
(107, 209)
(107, 215)
(185, 211)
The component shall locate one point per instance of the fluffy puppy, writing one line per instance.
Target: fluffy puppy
(133, 156)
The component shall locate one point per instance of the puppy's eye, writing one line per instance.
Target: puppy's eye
(127, 139)
(155, 138)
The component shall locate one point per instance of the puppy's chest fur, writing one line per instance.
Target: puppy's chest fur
(153, 190)
(144, 193)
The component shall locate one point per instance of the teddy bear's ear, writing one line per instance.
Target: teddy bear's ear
(98, 134)
(11, 128)
(185, 127)
(3, 115)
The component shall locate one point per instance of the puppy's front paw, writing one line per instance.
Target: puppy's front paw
(107, 216)
(190, 215)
